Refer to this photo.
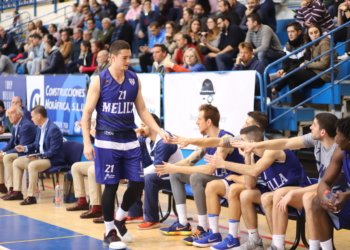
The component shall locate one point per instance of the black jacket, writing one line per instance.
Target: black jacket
(11, 46)
(258, 10)
(54, 63)
(75, 52)
(126, 34)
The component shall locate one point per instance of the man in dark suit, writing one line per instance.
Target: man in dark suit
(7, 44)
(48, 146)
(122, 30)
(23, 133)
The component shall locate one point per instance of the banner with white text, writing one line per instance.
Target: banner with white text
(10, 86)
(63, 96)
(232, 93)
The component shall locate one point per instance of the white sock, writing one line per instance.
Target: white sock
(182, 213)
(214, 222)
(109, 226)
(327, 245)
(233, 228)
(253, 234)
(202, 221)
(278, 241)
(121, 214)
(314, 245)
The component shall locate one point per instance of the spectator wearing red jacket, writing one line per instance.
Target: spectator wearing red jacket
(183, 42)
(96, 47)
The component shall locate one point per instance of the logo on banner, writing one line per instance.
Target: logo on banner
(208, 89)
(35, 91)
(132, 81)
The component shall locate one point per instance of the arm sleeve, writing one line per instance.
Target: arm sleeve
(198, 68)
(265, 41)
(55, 141)
(89, 69)
(178, 68)
(66, 49)
(28, 135)
(53, 65)
(314, 14)
(163, 152)
(308, 141)
(323, 62)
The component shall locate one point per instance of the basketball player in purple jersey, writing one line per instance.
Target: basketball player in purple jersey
(113, 93)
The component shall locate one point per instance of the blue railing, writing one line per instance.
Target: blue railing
(18, 3)
(266, 107)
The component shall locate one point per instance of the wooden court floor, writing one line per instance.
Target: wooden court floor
(42, 226)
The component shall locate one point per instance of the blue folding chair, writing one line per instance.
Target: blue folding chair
(2, 144)
(73, 151)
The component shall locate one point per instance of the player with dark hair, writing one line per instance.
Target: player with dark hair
(113, 93)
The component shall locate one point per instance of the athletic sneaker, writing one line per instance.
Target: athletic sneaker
(210, 239)
(177, 229)
(148, 225)
(252, 245)
(198, 234)
(228, 243)
(273, 247)
(130, 219)
(113, 241)
(122, 231)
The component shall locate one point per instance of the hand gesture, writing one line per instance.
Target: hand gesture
(165, 136)
(81, 69)
(167, 168)
(244, 146)
(274, 91)
(342, 6)
(280, 73)
(342, 198)
(212, 54)
(215, 161)
(89, 152)
(141, 34)
(138, 132)
(168, 63)
(181, 141)
(304, 4)
(20, 148)
(283, 203)
(238, 60)
(32, 158)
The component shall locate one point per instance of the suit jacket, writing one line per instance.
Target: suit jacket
(26, 133)
(54, 64)
(26, 113)
(107, 37)
(53, 144)
(75, 52)
(126, 34)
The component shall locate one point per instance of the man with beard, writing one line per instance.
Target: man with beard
(154, 151)
(221, 57)
(199, 14)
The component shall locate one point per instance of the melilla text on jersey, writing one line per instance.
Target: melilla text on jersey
(118, 107)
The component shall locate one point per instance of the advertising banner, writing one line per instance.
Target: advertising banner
(232, 93)
(63, 96)
(10, 86)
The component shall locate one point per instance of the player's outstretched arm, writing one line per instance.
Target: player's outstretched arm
(211, 142)
(278, 144)
(146, 116)
(91, 101)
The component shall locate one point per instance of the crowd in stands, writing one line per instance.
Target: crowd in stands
(215, 32)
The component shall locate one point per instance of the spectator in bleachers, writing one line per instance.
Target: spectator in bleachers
(238, 7)
(6, 65)
(16, 100)
(157, 36)
(147, 17)
(175, 12)
(86, 60)
(295, 41)
(124, 7)
(91, 25)
(25, 56)
(212, 37)
(110, 8)
(247, 61)
(87, 35)
(55, 34)
(186, 18)
(170, 32)
(134, 12)
(96, 47)
(102, 61)
(86, 9)
(15, 23)
(54, 62)
(24, 133)
(105, 34)
(183, 42)
(122, 30)
(269, 7)
(344, 17)
(77, 19)
(39, 23)
(267, 46)
(314, 12)
(225, 9)
(38, 54)
(253, 7)
(313, 69)
(68, 19)
(7, 44)
(192, 62)
(49, 143)
(42, 31)
(199, 13)
(77, 39)
(160, 54)
(2, 117)
(39, 64)
(221, 57)
(31, 26)
(193, 29)
(98, 11)
(66, 45)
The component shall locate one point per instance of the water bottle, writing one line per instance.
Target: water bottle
(37, 191)
(58, 195)
(329, 196)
